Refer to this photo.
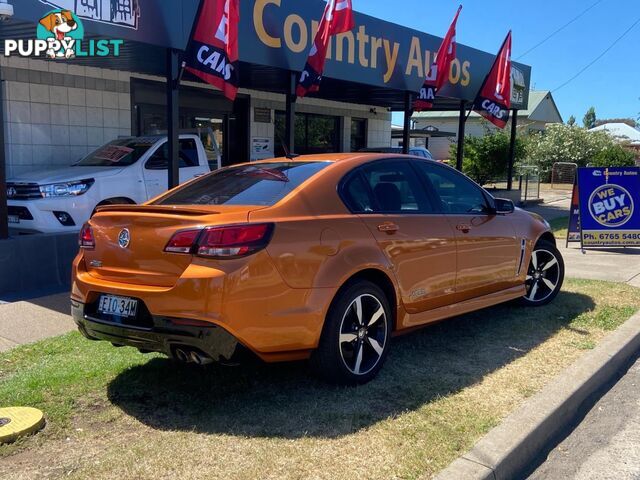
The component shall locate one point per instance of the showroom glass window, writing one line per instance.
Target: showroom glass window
(313, 133)
(358, 134)
(385, 187)
(457, 193)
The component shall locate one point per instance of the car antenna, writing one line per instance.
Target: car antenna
(287, 153)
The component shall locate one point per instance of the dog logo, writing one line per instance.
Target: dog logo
(124, 238)
(61, 29)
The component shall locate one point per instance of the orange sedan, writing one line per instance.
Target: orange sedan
(321, 257)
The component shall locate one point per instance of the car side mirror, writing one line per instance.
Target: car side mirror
(504, 206)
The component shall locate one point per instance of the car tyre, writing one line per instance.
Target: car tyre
(545, 274)
(356, 335)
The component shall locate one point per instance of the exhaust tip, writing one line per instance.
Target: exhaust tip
(182, 356)
(200, 359)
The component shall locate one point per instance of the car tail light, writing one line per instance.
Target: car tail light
(87, 240)
(222, 242)
(234, 241)
(182, 242)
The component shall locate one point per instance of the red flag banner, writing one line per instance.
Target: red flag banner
(212, 54)
(494, 100)
(439, 70)
(337, 18)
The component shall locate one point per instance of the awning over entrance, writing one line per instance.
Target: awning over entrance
(374, 65)
(379, 63)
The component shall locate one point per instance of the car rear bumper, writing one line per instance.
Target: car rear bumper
(161, 335)
(249, 301)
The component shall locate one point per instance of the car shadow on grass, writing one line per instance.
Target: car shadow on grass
(285, 401)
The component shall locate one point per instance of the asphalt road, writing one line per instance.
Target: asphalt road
(606, 444)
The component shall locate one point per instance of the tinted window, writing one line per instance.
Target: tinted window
(395, 188)
(356, 194)
(260, 184)
(457, 193)
(118, 153)
(188, 155)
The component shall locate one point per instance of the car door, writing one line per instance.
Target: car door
(420, 245)
(156, 168)
(488, 249)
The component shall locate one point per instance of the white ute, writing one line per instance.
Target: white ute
(127, 170)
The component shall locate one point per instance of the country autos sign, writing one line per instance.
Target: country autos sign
(609, 206)
(279, 33)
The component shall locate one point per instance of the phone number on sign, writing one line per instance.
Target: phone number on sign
(623, 238)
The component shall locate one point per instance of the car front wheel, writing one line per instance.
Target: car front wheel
(355, 339)
(544, 275)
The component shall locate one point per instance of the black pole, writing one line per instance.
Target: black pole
(290, 115)
(4, 210)
(512, 149)
(408, 113)
(173, 116)
(461, 126)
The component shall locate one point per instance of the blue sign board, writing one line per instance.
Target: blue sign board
(609, 201)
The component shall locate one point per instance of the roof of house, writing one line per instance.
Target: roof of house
(536, 98)
(620, 130)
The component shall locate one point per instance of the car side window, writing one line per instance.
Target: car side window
(356, 195)
(394, 188)
(188, 155)
(458, 195)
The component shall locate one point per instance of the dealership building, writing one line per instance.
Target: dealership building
(56, 111)
(125, 79)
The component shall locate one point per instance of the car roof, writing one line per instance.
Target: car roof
(360, 157)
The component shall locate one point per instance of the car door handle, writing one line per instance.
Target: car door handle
(464, 228)
(389, 228)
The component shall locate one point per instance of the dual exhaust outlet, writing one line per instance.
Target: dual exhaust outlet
(192, 356)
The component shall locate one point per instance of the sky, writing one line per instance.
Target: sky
(612, 85)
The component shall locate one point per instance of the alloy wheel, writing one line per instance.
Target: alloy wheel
(543, 275)
(363, 334)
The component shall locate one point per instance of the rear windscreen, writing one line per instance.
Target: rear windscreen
(264, 184)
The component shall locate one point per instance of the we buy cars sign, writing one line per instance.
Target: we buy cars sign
(609, 206)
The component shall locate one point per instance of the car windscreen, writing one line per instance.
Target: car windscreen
(118, 153)
(263, 184)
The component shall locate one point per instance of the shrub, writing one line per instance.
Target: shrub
(614, 156)
(487, 158)
(564, 143)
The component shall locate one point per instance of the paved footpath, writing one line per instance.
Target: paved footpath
(32, 320)
(606, 444)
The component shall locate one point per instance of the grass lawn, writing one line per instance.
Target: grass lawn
(559, 227)
(114, 413)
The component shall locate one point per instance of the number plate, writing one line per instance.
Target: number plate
(118, 306)
(13, 219)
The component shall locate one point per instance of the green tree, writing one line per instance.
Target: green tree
(572, 121)
(562, 143)
(589, 120)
